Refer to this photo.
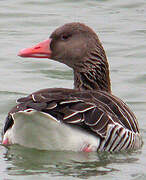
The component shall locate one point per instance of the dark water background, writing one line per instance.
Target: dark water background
(121, 26)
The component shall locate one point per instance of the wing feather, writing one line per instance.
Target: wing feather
(92, 110)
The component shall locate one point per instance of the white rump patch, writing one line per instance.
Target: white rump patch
(39, 130)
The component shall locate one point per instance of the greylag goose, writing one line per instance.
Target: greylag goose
(87, 118)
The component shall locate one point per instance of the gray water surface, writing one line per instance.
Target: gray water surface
(121, 26)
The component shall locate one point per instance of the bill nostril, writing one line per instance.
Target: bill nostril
(38, 47)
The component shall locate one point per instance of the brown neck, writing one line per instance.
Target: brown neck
(93, 73)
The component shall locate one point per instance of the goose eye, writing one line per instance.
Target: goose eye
(64, 37)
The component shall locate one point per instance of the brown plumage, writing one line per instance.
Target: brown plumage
(90, 106)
